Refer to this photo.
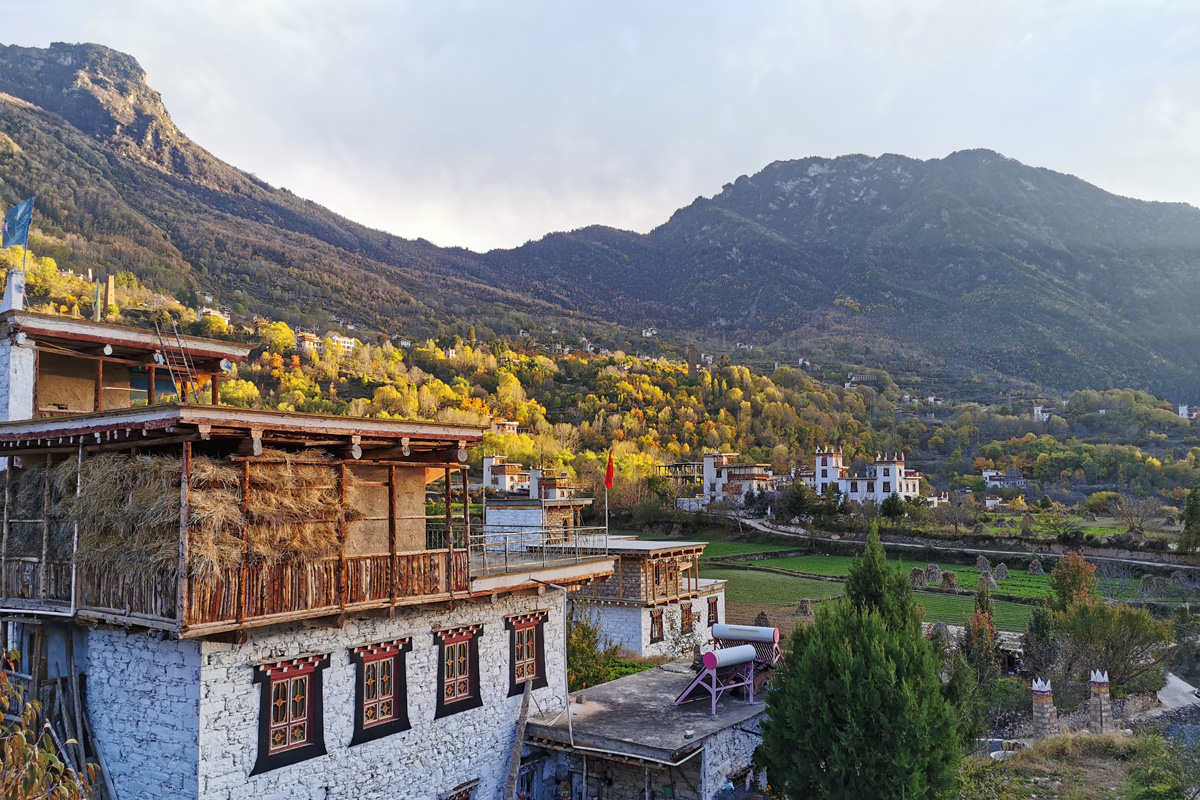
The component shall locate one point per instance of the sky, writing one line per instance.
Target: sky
(487, 125)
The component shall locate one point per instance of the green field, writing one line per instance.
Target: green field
(717, 546)
(770, 588)
(773, 589)
(1019, 583)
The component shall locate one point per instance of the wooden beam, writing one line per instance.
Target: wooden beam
(99, 384)
(343, 577)
(449, 538)
(43, 572)
(4, 537)
(216, 390)
(392, 534)
(184, 583)
(243, 595)
(151, 397)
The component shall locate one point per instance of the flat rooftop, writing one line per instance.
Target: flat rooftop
(626, 544)
(636, 716)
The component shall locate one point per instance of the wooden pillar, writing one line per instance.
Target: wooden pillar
(45, 566)
(185, 477)
(99, 383)
(75, 532)
(4, 536)
(37, 375)
(151, 399)
(342, 539)
(216, 389)
(392, 534)
(449, 539)
(244, 594)
(466, 509)
(620, 578)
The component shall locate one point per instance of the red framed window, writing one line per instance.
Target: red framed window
(887, 487)
(656, 625)
(687, 621)
(458, 670)
(380, 692)
(290, 722)
(714, 612)
(527, 648)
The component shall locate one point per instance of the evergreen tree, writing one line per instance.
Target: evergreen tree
(1190, 541)
(857, 707)
(1040, 643)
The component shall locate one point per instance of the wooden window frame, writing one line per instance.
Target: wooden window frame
(714, 612)
(393, 655)
(687, 619)
(519, 629)
(308, 669)
(466, 641)
(656, 620)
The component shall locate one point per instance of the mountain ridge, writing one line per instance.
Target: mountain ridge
(973, 258)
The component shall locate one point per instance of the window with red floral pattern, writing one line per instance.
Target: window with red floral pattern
(458, 670)
(527, 662)
(290, 725)
(381, 701)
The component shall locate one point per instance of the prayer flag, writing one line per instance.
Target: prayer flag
(16, 224)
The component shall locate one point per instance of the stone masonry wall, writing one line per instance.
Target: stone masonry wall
(728, 755)
(627, 583)
(628, 781)
(143, 699)
(427, 760)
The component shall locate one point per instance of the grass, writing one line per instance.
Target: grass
(1019, 583)
(718, 546)
(773, 589)
(770, 588)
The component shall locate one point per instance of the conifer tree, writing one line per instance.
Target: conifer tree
(857, 707)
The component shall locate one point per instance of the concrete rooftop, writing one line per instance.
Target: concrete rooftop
(635, 716)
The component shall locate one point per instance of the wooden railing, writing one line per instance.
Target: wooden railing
(23, 581)
(293, 590)
(148, 596)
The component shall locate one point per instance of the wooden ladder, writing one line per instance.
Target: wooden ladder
(178, 362)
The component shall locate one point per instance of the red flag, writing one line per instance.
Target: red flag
(608, 474)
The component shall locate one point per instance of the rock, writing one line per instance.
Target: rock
(1035, 568)
(982, 564)
(1001, 572)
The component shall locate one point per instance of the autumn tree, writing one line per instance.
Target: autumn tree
(1073, 580)
(1190, 540)
(277, 337)
(979, 643)
(959, 511)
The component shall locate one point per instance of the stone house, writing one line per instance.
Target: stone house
(257, 604)
(656, 603)
(888, 475)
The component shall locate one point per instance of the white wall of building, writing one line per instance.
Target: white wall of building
(728, 754)
(18, 362)
(143, 699)
(629, 626)
(431, 758)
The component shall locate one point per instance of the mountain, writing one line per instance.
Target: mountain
(974, 259)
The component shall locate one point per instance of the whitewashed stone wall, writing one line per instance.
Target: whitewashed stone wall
(17, 364)
(143, 698)
(728, 754)
(628, 781)
(426, 761)
(629, 626)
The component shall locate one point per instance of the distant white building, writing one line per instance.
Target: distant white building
(1042, 413)
(345, 343)
(501, 425)
(887, 476)
(1188, 412)
(1013, 479)
(649, 332)
(718, 479)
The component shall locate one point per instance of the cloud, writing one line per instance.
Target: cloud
(487, 125)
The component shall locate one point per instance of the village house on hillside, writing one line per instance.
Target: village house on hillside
(717, 479)
(886, 476)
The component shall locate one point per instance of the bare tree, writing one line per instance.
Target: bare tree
(960, 510)
(1116, 580)
(1057, 522)
(1134, 512)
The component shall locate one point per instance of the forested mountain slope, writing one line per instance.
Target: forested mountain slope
(973, 259)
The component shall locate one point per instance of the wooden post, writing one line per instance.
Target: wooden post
(150, 398)
(244, 594)
(216, 389)
(45, 571)
(392, 534)
(4, 537)
(620, 579)
(99, 383)
(342, 539)
(466, 510)
(75, 530)
(37, 372)
(185, 478)
(449, 539)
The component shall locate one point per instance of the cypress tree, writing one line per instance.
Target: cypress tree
(857, 708)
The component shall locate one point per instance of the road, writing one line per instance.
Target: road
(765, 528)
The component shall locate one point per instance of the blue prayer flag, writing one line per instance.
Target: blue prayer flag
(16, 224)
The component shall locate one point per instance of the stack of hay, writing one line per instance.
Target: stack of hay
(128, 511)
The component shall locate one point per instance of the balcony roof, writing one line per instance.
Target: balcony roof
(70, 333)
(207, 421)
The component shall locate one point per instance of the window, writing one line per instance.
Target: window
(687, 622)
(824, 461)
(871, 487)
(291, 726)
(714, 613)
(458, 670)
(660, 574)
(887, 472)
(824, 473)
(464, 791)
(854, 486)
(527, 648)
(380, 690)
(656, 626)
(887, 487)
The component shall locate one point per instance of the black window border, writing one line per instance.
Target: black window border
(662, 630)
(399, 681)
(714, 611)
(475, 699)
(540, 682)
(266, 762)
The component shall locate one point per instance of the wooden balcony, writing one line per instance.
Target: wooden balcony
(212, 524)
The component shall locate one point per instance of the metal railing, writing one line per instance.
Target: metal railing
(497, 549)
(435, 534)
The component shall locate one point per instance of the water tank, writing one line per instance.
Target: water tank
(730, 656)
(746, 633)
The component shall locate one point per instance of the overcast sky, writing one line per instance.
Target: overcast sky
(489, 124)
